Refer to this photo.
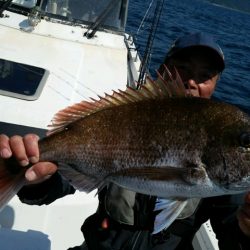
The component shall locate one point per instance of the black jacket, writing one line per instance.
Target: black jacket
(220, 210)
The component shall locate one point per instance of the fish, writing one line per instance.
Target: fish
(158, 140)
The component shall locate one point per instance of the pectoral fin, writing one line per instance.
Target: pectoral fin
(170, 209)
(192, 175)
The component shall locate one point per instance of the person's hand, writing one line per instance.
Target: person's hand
(25, 150)
(244, 216)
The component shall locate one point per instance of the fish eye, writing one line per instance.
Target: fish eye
(245, 139)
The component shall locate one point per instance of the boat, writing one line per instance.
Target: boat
(55, 53)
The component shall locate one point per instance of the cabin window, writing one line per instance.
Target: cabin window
(21, 80)
(108, 14)
(25, 3)
(112, 13)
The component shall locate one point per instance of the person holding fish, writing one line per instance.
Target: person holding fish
(127, 219)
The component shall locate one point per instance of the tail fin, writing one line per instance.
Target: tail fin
(11, 180)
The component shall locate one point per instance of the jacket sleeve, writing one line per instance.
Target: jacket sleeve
(225, 223)
(232, 238)
(46, 192)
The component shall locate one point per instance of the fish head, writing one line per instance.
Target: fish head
(227, 154)
(236, 160)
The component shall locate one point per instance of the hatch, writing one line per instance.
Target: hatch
(21, 80)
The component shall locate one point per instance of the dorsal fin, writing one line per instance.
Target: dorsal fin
(164, 87)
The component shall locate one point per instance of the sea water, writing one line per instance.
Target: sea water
(231, 29)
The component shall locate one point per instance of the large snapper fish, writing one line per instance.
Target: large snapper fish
(157, 141)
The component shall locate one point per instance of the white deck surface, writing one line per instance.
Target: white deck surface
(53, 227)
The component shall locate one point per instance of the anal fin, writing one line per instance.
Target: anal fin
(78, 180)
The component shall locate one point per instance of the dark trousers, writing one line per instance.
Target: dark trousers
(122, 237)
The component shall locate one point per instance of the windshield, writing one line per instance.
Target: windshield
(85, 11)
